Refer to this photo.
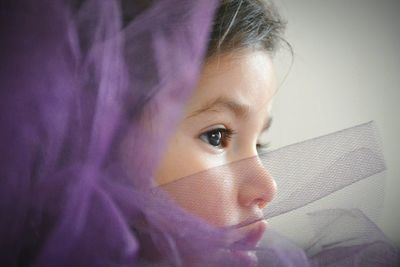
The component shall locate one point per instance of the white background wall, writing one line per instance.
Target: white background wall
(346, 71)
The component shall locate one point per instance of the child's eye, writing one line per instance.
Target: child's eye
(217, 137)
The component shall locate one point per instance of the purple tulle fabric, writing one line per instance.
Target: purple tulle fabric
(78, 82)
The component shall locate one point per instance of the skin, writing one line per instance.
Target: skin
(234, 92)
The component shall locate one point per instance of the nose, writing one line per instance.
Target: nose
(256, 186)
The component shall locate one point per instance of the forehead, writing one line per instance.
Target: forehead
(246, 76)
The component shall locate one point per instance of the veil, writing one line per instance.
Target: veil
(81, 79)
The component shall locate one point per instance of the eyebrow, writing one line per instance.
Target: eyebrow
(239, 109)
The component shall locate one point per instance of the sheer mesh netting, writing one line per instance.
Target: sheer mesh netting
(304, 172)
(82, 81)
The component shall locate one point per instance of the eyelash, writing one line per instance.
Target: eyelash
(224, 133)
(263, 147)
(226, 136)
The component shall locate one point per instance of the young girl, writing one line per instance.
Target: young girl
(130, 132)
(228, 111)
(222, 123)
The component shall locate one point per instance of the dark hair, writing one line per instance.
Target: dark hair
(242, 24)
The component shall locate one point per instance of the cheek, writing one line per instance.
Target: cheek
(186, 174)
(178, 161)
(210, 195)
(184, 156)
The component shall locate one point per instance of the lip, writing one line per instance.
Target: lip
(250, 236)
(244, 248)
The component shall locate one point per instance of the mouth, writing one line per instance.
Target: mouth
(248, 238)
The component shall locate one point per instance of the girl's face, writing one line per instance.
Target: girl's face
(223, 123)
